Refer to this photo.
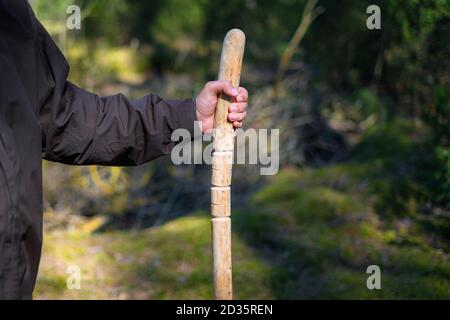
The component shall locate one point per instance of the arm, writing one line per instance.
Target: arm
(79, 127)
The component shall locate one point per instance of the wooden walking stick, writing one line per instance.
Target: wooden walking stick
(230, 69)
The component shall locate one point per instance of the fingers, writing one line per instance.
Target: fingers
(238, 107)
(243, 95)
(239, 117)
(237, 124)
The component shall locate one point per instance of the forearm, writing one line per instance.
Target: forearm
(87, 129)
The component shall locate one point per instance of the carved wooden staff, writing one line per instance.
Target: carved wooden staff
(230, 69)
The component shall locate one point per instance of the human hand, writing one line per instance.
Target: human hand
(206, 102)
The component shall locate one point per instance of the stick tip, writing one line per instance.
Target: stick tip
(235, 36)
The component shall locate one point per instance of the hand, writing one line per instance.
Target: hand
(207, 99)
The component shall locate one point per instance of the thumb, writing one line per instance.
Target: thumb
(222, 86)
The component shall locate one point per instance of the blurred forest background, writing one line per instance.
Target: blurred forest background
(365, 155)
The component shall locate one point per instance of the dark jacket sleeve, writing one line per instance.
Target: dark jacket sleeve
(79, 127)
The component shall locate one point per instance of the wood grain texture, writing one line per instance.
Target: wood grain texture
(220, 202)
(223, 287)
(222, 162)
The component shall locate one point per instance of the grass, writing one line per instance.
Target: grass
(308, 233)
(169, 262)
(324, 226)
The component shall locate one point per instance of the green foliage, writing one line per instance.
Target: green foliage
(398, 162)
(324, 241)
(51, 10)
(306, 233)
(169, 262)
(369, 104)
(439, 119)
(179, 24)
(322, 227)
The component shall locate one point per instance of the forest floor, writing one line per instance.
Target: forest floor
(308, 233)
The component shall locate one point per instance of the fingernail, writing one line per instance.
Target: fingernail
(233, 117)
(234, 91)
(234, 108)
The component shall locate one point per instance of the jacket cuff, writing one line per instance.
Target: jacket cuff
(187, 117)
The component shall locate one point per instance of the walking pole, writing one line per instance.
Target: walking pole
(222, 161)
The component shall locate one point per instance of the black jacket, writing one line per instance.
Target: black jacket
(42, 115)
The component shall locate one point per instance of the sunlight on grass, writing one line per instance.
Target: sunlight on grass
(169, 262)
